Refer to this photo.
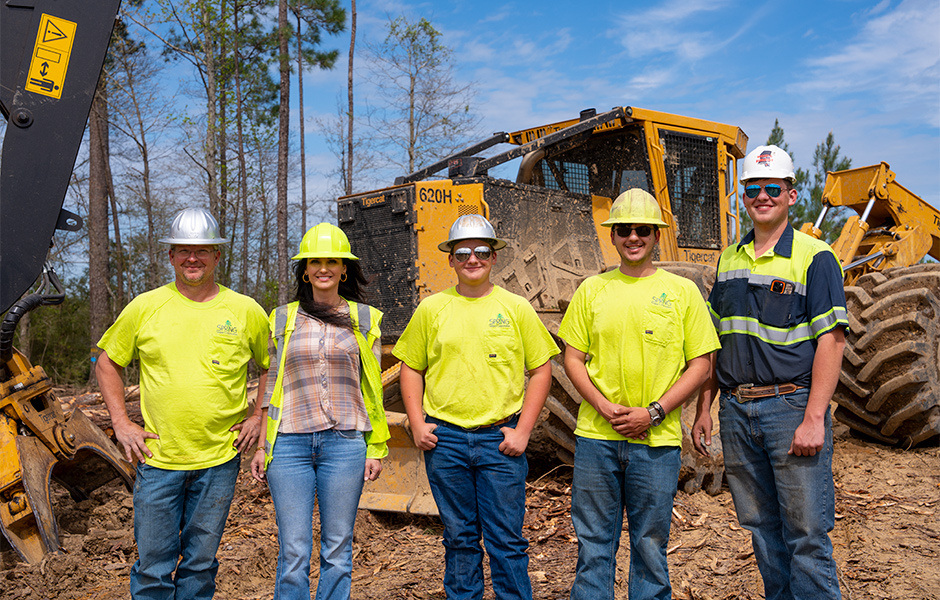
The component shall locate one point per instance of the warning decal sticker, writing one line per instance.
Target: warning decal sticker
(50, 59)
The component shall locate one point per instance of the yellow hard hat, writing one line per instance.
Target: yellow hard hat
(637, 207)
(325, 241)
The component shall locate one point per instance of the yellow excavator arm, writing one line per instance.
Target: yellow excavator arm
(893, 227)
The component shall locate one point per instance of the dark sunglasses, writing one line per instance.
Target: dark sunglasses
(641, 230)
(462, 255)
(753, 191)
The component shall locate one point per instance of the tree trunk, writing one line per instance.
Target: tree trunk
(98, 238)
(211, 94)
(242, 163)
(349, 87)
(282, 148)
(224, 272)
(303, 158)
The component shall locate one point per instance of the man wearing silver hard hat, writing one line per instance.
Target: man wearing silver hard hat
(779, 305)
(465, 354)
(639, 342)
(193, 339)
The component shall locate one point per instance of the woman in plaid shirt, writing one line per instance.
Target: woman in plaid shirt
(326, 427)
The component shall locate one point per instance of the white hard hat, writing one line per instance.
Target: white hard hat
(471, 227)
(767, 162)
(194, 227)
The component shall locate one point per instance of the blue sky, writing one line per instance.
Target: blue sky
(867, 71)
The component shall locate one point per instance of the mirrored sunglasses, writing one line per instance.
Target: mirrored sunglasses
(641, 230)
(462, 255)
(753, 191)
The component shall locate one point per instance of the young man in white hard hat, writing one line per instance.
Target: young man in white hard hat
(639, 342)
(193, 338)
(465, 354)
(779, 307)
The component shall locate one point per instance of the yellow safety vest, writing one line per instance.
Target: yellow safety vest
(365, 320)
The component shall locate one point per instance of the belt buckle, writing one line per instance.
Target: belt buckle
(737, 392)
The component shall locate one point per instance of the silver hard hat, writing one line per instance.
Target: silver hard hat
(471, 227)
(194, 227)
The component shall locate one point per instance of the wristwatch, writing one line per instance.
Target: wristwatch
(657, 414)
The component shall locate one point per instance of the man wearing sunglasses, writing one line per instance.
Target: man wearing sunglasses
(779, 307)
(639, 342)
(465, 354)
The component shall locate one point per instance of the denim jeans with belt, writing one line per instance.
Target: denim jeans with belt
(787, 502)
(327, 466)
(179, 514)
(480, 491)
(610, 476)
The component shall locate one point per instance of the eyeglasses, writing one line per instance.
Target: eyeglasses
(201, 254)
(753, 191)
(462, 255)
(641, 230)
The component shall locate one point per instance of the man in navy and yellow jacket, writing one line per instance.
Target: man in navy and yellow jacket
(779, 307)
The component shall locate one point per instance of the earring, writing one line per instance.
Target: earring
(305, 278)
(343, 277)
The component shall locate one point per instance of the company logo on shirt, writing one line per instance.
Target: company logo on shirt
(661, 300)
(500, 321)
(226, 328)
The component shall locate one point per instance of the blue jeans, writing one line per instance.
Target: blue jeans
(610, 476)
(327, 466)
(179, 516)
(787, 502)
(480, 491)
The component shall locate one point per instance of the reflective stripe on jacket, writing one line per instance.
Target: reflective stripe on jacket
(366, 321)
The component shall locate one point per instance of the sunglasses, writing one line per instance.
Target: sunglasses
(753, 191)
(462, 255)
(641, 230)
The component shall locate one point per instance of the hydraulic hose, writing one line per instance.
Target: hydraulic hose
(23, 306)
(13, 316)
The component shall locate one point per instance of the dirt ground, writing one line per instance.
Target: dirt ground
(886, 539)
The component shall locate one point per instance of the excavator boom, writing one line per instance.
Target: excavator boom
(51, 55)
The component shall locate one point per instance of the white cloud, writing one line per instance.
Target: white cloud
(893, 61)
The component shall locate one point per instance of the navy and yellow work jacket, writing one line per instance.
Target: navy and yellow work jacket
(769, 311)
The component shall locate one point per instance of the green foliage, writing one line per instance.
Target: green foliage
(59, 336)
(320, 16)
(826, 158)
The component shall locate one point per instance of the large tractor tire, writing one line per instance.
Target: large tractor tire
(697, 472)
(889, 388)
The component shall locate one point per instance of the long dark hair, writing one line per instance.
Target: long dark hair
(351, 289)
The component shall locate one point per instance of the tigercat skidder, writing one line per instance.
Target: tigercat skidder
(568, 175)
(550, 215)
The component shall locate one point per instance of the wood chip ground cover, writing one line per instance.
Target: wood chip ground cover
(886, 540)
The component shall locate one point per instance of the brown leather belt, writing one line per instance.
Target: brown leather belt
(478, 427)
(497, 423)
(749, 391)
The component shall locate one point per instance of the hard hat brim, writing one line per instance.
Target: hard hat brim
(640, 221)
(195, 241)
(494, 243)
(314, 254)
